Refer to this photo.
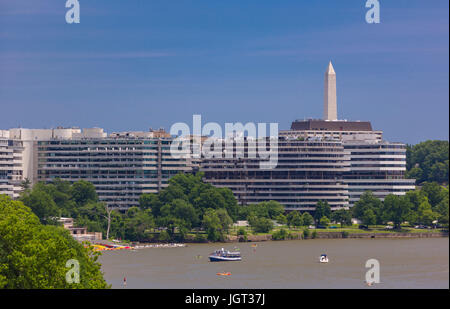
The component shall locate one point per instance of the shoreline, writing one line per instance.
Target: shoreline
(293, 236)
(340, 235)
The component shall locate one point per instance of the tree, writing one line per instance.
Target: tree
(369, 217)
(426, 216)
(83, 192)
(211, 223)
(428, 161)
(324, 221)
(296, 219)
(323, 209)
(281, 219)
(368, 201)
(25, 184)
(34, 256)
(137, 224)
(442, 209)
(397, 209)
(41, 204)
(261, 225)
(225, 219)
(432, 190)
(150, 201)
(307, 219)
(342, 216)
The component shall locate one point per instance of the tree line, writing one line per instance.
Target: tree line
(428, 161)
(423, 206)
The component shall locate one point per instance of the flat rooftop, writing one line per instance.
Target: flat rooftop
(335, 125)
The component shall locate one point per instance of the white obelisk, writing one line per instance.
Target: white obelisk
(330, 104)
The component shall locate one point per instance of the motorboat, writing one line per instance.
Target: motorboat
(323, 258)
(223, 255)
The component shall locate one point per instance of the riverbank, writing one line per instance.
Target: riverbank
(290, 235)
(338, 235)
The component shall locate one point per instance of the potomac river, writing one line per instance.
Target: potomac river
(404, 263)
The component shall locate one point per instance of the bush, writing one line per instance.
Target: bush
(345, 234)
(262, 225)
(164, 236)
(241, 231)
(200, 238)
(314, 234)
(280, 235)
(306, 233)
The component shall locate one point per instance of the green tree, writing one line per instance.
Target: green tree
(323, 209)
(296, 219)
(433, 191)
(138, 224)
(150, 201)
(307, 219)
(41, 204)
(211, 224)
(83, 192)
(261, 225)
(368, 201)
(428, 161)
(369, 217)
(281, 219)
(397, 209)
(324, 221)
(34, 256)
(342, 216)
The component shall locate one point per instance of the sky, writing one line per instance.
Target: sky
(135, 64)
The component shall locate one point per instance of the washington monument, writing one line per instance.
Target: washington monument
(330, 105)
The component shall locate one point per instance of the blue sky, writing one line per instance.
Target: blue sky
(135, 64)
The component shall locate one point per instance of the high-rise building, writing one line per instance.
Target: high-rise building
(10, 165)
(122, 166)
(306, 172)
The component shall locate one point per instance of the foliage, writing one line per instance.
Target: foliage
(323, 209)
(260, 225)
(342, 216)
(324, 221)
(397, 209)
(33, 255)
(307, 219)
(368, 202)
(280, 235)
(428, 161)
(294, 219)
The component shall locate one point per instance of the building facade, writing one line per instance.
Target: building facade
(306, 172)
(121, 167)
(11, 172)
(378, 167)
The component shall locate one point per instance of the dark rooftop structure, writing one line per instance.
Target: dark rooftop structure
(335, 125)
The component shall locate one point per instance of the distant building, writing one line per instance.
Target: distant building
(11, 170)
(307, 172)
(377, 166)
(79, 233)
(122, 166)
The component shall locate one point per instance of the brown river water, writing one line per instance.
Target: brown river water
(404, 263)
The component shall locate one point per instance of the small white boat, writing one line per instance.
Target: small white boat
(224, 255)
(323, 258)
